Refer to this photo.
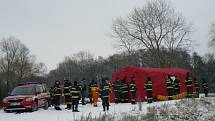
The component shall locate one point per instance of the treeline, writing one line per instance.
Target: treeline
(85, 65)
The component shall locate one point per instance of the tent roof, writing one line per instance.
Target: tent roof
(149, 71)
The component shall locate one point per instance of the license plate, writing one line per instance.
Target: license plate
(14, 104)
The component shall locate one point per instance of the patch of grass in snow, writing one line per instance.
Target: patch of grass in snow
(104, 117)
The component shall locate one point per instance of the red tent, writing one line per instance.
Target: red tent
(158, 76)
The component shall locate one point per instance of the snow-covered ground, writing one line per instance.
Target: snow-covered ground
(86, 110)
(200, 109)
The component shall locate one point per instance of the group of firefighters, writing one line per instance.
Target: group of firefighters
(121, 90)
(73, 93)
(173, 86)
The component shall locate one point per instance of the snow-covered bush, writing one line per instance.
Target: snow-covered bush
(202, 109)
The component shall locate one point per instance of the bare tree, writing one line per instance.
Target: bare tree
(38, 69)
(9, 48)
(16, 61)
(79, 65)
(153, 27)
(212, 35)
(84, 59)
(83, 56)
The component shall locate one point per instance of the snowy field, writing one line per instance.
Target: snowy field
(86, 110)
(200, 109)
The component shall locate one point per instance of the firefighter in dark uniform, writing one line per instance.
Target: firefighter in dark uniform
(197, 86)
(188, 82)
(205, 87)
(104, 94)
(170, 87)
(116, 87)
(176, 85)
(133, 90)
(76, 95)
(91, 85)
(51, 96)
(57, 92)
(124, 91)
(67, 94)
(148, 88)
(83, 91)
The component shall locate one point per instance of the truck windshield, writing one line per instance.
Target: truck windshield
(23, 91)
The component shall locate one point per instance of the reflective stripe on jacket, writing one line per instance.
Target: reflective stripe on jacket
(169, 84)
(57, 91)
(104, 91)
(148, 85)
(75, 92)
(133, 87)
(188, 82)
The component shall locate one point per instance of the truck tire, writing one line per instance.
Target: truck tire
(35, 106)
(46, 105)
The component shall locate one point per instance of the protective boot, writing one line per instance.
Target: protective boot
(58, 108)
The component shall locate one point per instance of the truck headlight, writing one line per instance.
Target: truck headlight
(29, 99)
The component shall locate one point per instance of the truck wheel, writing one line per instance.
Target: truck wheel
(49, 102)
(46, 105)
(7, 111)
(35, 106)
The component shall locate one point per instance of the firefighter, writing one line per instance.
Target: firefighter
(170, 88)
(104, 94)
(176, 85)
(116, 89)
(148, 88)
(188, 82)
(205, 87)
(95, 94)
(57, 95)
(91, 85)
(83, 91)
(76, 95)
(197, 86)
(133, 90)
(124, 91)
(108, 81)
(51, 96)
(67, 94)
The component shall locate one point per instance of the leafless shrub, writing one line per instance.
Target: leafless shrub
(151, 115)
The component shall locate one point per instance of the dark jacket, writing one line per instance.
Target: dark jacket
(76, 92)
(188, 81)
(57, 90)
(67, 88)
(104, 90)
(148, 85)
(132, 85)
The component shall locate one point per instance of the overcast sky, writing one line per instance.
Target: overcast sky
(53, 29)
